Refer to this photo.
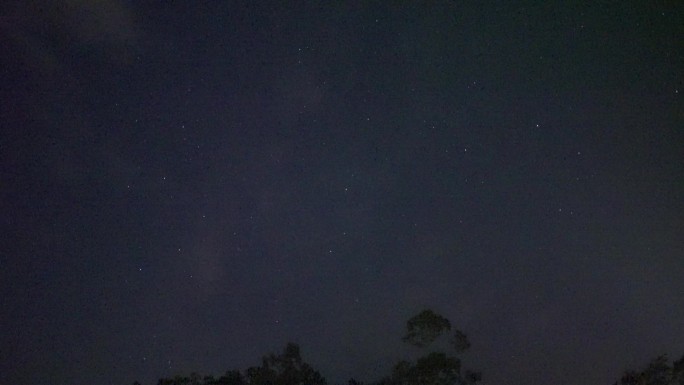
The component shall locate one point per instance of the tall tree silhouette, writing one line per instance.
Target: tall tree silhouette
(285, 369)
(434, 368)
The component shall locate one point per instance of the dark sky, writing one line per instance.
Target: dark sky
(186, 186)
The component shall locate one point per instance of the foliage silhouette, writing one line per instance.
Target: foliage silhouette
(425, 327)
(434, 368)
(287, 368)
(658, 372)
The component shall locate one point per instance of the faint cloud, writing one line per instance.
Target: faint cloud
(53, 34)
(100, 21)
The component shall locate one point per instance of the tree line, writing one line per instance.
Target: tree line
(436, 367)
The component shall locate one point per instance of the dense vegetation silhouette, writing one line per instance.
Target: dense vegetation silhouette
(658, 372)
(433, 367)
(287, 368)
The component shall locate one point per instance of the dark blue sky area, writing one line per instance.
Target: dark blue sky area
(186, 186)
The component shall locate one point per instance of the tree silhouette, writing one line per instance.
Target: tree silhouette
(285, 369)
(434, 368)
(425, 327)
(288, 368)
(658, 372)
(232, 377)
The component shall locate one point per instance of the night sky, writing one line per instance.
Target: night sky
(187, 186)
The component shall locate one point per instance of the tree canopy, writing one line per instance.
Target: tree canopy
(658, 372)
(425, 327)
(431, 368)
(287, 368)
